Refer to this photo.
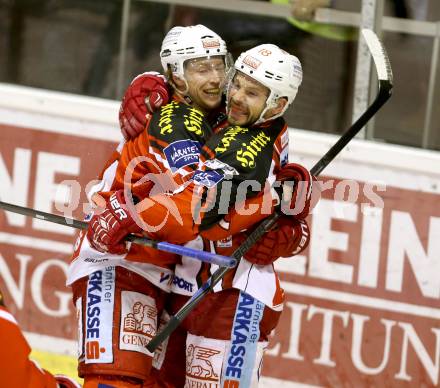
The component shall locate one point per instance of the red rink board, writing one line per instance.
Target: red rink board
(33, 280)
(363, 310)
(365, 319)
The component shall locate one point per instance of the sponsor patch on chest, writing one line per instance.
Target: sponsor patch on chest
(182, 153)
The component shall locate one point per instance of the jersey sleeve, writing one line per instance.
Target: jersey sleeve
(17, 369)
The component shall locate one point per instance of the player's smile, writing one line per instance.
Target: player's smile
(238, 112)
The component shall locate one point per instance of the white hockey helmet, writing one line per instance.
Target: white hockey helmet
(276, 69)
(183, 43)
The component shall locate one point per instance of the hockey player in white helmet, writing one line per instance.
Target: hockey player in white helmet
(195, 60)
(118, 292)
(266, 82)
(254, 148)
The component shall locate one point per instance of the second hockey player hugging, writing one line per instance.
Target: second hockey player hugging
(200, 165)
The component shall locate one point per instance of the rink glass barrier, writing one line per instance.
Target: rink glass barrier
(43, 46)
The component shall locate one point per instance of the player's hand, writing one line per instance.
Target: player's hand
(289, 237)
(145, 95)
(107, 230)
(297, 186)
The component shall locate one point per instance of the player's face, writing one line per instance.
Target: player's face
(246, 100)
(205, 78)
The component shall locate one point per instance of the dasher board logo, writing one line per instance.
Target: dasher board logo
(182, 153)
(138, 321)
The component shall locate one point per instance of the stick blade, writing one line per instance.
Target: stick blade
(380, 56)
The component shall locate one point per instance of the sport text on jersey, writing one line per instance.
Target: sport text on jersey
(250, 147)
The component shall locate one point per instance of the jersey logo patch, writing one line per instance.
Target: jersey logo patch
(224, 243)
(215, 164)
(138, 321)
(198, 363)
(207, 178)
(182, 153)
(98, 313)
(245, 334)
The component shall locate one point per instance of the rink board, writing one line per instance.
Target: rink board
(362, 303)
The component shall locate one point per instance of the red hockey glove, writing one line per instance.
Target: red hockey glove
(146, 94)
(297, 185)
(289, 237)
(107, 230)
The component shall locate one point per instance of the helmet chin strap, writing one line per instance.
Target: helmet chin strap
(270, 104)
(188, 99)
(184, 93)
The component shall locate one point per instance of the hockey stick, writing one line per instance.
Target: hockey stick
(207, 257)
(384, 73)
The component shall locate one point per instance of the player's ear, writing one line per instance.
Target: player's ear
(177, 83)
(278, 108)
(281, 103)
